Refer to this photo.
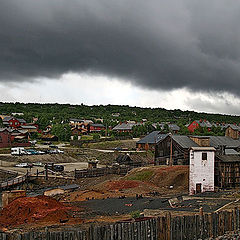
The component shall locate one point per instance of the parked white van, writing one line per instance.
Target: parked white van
(18, 151)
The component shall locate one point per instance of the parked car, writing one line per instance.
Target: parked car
(41, 152)
(38, 164)
(53, 146)
(24, 165)
(117, 149)
(55, 167)
(60, 151)
(32, 151)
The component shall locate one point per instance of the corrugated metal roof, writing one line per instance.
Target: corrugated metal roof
(234, 127)
(125, 126)
(6, 119)
(231, 152)
(28, 127)
(174, 127)
(184, 141)
(153, 137)
(229, 158)
(97, 125)
(216, 141)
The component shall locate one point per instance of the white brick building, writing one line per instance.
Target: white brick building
(201, 169)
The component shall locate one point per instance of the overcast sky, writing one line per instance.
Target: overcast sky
(158, 53)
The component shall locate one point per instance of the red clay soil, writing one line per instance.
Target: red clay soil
(27, 210)
(122, 184)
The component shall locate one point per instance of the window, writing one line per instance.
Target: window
(204, 156)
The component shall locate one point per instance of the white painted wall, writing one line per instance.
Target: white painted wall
(201, 171)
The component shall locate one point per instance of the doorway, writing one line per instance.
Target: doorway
(198, 188)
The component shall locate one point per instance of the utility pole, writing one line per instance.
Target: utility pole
(155, 145)
(171, 160)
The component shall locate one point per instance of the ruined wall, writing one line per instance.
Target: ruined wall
(201, 171)
(9, 196)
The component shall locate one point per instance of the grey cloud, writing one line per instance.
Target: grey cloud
(155, 44)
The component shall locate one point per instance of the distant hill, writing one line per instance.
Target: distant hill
(62, 112)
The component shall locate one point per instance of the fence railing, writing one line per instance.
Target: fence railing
(97, 172)
(162, 228)
(14, 181)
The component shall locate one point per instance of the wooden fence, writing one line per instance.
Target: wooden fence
(13, 182)
(162, 228)
(97, 172)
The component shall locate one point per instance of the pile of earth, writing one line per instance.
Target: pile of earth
(121, 184)
(28, 210)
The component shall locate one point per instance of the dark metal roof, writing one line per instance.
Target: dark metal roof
(97, 125)
(21, 120)
(216, 141)
(174, 127)
(28, 127)
(234, 127)
(6, 119)
(153, 137)
(184, 141)
(229, 158)
(125, 126)
(231, 152)
(204, 123)
(76, 120)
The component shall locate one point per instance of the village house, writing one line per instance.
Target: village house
(96, 127)
(78, 132)
(75, 121)
(13, 122)
(149, 142)
(17, 114)
(181, 144)
(227, 168)
(29, 128)
(201, 169)
(13, 138)
(232, 131)
(49, 137)
(199, 123)
(115, 114)
(173, 128)
(126, 126)
(176, 149)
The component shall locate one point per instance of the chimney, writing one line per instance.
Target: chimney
(201, 141)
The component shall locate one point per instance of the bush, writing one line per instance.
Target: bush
(96, 136)
(135, 214)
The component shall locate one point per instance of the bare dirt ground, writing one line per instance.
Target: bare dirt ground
(112, 198)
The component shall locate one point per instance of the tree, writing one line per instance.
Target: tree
(62, 131)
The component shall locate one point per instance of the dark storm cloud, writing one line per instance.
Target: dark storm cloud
(156, 44)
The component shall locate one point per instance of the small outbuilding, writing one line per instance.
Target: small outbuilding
(201, 169)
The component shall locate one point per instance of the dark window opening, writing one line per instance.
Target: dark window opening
(204, 156)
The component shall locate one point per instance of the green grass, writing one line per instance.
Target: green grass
(86, 137)
(144, 175)
(105, 145)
